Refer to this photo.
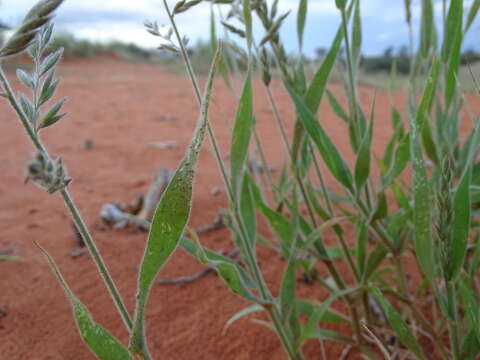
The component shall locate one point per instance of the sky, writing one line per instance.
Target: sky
(106, 20)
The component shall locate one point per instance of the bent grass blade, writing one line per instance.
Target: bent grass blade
(103, 344)
(170, 220)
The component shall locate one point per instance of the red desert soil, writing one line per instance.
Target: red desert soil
(122, 109)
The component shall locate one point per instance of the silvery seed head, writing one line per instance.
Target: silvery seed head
(38, 16)
(47, 173)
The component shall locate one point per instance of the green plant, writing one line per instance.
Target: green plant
(433, 220)
(50, 174)
(383, 230)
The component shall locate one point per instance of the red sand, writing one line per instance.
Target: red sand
(123, 108)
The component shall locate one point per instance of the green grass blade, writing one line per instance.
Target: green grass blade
(470, 348)
(279, 223)
(287, 287)
(170, 219)
(427, 28)
(453, 25)
(398, 324)
(223, 68)
(231, 273)
(401, 160)
(408, 11)
(247, 311)
(429, 143)
(469, 299)
(247, 18)
(362, 166)
(428, 94)
(103, 344)
(301, 19)
(331, 335)
(242, 133)
(336, 106)
(316, 90)
(422, 236)
(375, 258)
(452, 47)
(422, 207)
(362, 246)
(319, 82)
(461, 225)
(312, 323)
(234, 276)
(331, 316)
(475, 261)
(357, 35)
(327, 149)
(247, 210)
(472, 14)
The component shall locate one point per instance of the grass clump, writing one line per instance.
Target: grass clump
(391, 221)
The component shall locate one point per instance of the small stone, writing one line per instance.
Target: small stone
(88, 144)
(216, 191)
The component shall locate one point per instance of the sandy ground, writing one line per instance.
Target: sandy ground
(122, 109)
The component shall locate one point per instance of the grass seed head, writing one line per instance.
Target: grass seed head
(49, 174)
(36, 18)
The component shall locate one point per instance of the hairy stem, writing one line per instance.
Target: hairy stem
(94, 252)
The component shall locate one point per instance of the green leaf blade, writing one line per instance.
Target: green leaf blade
(103, 344)
(399, 325)
(242, 133)
(170, 219)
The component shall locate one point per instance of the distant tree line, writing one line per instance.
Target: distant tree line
(401, 58)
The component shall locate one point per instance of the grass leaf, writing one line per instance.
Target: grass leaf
(170, 219)
(242, 132)
(301, 19)
(311, 326)
(427, 28)
(472, 14)
(461, 225)
(103, 344)
(398, 324)
(362, 166)
(422, 236)
(247, 311)
(327, 149)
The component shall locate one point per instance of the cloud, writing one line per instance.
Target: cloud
(105, 20)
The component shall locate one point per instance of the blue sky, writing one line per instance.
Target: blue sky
(104, 20)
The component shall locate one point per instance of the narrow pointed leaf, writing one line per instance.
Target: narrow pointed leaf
(422, 237)
(26, 79)
(170, 219)
(427, 28)
(327, 149)
(247, 210)
(103, 344)
(319, 82)
(287, 287)
(50, 61)
(336, 106)
(247, 17)
(362, 166)
(331, 316)
(242, 132)
(461, 225)
(357, 34)
(301, 19)
(52, 116)
(472, 14)
(247, 311)
(398, 324)
(311, 326)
